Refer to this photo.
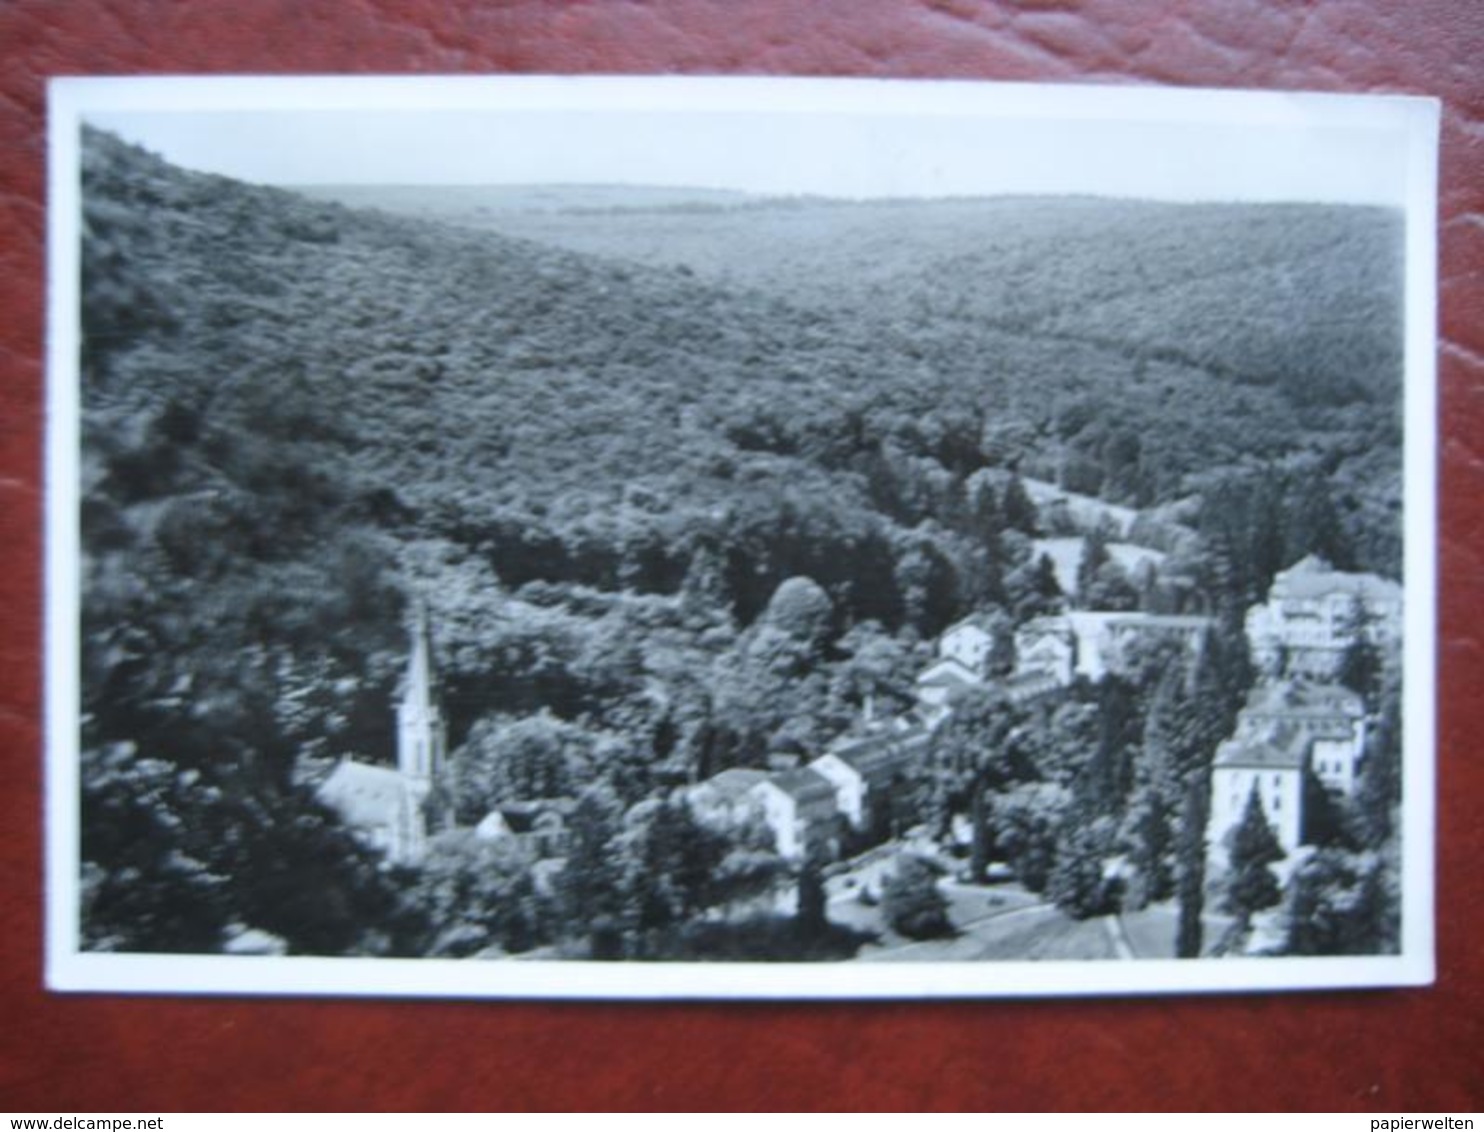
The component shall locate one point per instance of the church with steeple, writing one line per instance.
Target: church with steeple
(387, 806)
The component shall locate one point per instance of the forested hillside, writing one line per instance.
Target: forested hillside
(609, 473)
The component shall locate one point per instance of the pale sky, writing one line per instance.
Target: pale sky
(824, 137)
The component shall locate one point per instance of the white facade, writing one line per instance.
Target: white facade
(1313, 614)
(968, 644)
(1329, 716)
(1336, 760)
(781, 814)
(1048, 652)
(1279, 789)
(380, 807)
(850, 787)
(1095, 644)
(725, 800)
(938, 684)
(798, 806)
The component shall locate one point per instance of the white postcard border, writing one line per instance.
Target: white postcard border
(1412, 122)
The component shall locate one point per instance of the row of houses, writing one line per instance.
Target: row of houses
(1051, 652)
(842, 797)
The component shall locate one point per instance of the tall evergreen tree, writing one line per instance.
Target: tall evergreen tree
(1190, 871)
(1361, 664)
(1017, 508)
(590, 886)
(1253, 848)
(1379, 791)
(1094, 557)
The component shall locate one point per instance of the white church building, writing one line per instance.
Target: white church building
(386, 807)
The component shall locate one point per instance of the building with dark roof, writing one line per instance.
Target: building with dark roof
(864, 771)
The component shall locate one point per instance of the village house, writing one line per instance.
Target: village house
(386, 807)
(1287, 729)
(1273, 765)
(725, 801)
(537, 828)
(937, 688)
(1082, 643)
(963, 659)
(799, 808)
(1046, 646)
(1330, 716)
(1314, 613)
(967, 643)
(864, 772)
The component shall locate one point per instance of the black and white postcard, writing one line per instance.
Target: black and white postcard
(738, 537)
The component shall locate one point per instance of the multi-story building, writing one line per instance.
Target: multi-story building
(1314, 613)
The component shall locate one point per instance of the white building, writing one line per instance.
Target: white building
(1272, 765)
(380, 807)
(937, 687)
(1313, 614)
(1068, 645)
(968, 644)
(799, 807)
(865, 771)
(1329, 716)
(1046, 646)
(724, 801)
(1286, 730)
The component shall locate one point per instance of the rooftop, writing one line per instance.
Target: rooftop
(948, 673)
(1313, 577)
(733, 782)
(806, 787)
(365, 794)
(878, 755)
(1300, 699)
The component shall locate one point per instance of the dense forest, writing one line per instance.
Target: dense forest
(683, 487)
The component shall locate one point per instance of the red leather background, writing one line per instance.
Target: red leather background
(1411, 1050)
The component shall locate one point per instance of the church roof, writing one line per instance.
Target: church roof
(364, 794)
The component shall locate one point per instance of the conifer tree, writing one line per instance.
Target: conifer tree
(1253, 849)
(1360, 664)
(1077, 884)
(590, 885)
(1094, 558)
(1379, 790)
(1190, 872)
(1017, 508)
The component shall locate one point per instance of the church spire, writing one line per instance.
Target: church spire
(420, 732)
(419, 689)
